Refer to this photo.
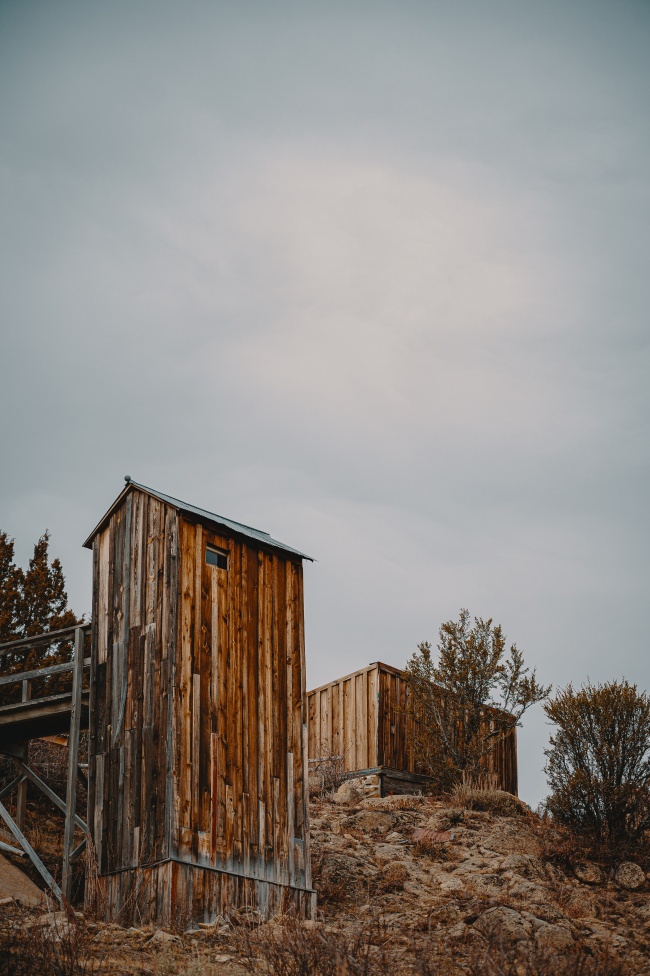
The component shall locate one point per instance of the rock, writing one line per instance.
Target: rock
(394, 837)
(14, 884)
(452, 884)
(160, 937)
(221, 958)
(629, 875)
(349, 793)
(521, 888)
(551, 939)
(503, 924)
(487, 884)
(6, 901)
(588, 873)
(342, 873)
(405, 801)
(522, 864)
(370, 822)
(473, 865)
(458, 931)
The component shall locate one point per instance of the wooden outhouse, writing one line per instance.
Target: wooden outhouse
(197, 748)
(363, 719)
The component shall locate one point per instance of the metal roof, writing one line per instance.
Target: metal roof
(200, 513)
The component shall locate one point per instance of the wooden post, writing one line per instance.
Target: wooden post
(73, 758)
(21, 795)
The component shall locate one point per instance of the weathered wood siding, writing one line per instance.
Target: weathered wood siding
(198, 719)
(363, 718)
(135, 582)
(241, 797)
(343, 720)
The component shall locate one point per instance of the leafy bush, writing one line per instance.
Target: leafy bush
(462, 707)
(599, 761)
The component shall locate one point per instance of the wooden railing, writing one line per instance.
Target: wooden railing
(76, 638)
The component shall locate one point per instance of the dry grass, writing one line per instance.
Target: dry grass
(409, 801)
(497, 802)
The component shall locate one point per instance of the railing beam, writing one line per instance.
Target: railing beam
(73, 759)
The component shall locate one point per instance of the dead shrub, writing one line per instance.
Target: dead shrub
(391, 879)
(432, 959)
(326, 772)
(57, 948)
(434, 850)
(292, 948)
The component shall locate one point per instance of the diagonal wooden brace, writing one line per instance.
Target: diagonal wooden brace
(31, 853)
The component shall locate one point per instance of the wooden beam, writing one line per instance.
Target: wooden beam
(21, 795)
(50, 794)
(73, 759)
(46, 638)
(8, 849)
(31, 853)
(25, 676)
(79, 849)
(10, 787)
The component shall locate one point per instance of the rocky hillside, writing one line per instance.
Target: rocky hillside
(406, 885)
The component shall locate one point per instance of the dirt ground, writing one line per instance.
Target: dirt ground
(418, 879)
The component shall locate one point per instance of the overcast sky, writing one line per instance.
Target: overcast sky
(372, 277)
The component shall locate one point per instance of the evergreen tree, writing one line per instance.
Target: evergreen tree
(33, 603)
(11, 588)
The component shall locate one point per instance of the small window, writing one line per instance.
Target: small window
(216, 557)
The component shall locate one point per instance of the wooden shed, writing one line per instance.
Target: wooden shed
(363, 719)
(197, 749)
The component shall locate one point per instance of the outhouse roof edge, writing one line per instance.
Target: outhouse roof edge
(246, 530)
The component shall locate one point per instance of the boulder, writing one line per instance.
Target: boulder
(588, 873)
(14, 884)
(349, 793)
(522, 864)
(503, 924)
(370, 822)
(552, 939)
(452, 884)
(629, 875)
(160, 937)
(527, 890)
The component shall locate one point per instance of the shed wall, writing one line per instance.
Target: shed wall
(135, 585)
(240, 786)
(343, 720)
(363, 718)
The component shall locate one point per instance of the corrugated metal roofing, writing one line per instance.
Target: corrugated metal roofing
(203, 514)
